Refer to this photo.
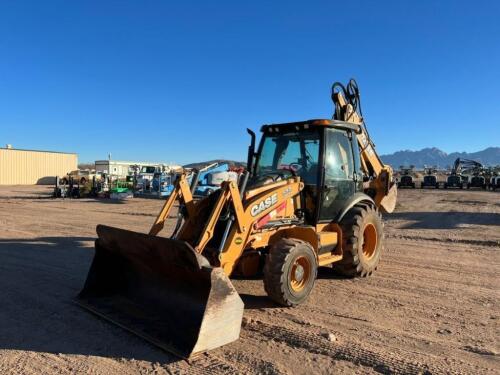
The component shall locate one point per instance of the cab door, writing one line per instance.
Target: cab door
(340, 173)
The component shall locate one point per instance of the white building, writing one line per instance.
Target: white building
(126, 168)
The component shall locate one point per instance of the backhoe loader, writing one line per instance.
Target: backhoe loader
(312, 196)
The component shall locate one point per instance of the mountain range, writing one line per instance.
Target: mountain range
(435, 157)
(428, 156)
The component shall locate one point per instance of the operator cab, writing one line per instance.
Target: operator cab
(324, 153)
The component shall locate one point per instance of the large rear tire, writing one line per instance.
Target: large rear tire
(363, 242)
(290, 271)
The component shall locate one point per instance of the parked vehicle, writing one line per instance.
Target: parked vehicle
(145, 177)
(212, 176)
(476, 181)
(430, 178)
(495, 182)
(406, 179)
(81, 175)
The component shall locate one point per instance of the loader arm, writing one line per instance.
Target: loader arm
(243, 215)
(181, 191)
(380, 176)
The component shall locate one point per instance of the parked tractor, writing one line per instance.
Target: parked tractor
(495, 182)
(406, 178)
(476, 181)
(430, 178)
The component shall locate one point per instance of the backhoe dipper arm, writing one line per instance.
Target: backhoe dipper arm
(380, 176)
(465, 165)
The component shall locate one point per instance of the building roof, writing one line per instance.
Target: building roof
(46, 151)
(128, 162)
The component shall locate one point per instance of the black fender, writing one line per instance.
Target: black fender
(351, 202)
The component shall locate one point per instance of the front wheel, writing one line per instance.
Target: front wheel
(290, 271)
(363, 242)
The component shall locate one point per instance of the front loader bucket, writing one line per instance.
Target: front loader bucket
(161, 290)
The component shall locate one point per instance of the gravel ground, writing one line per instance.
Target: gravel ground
(432, 306)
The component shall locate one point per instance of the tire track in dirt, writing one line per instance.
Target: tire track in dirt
(486, 243)
(397, 361)
(351, 352)
(230, 363)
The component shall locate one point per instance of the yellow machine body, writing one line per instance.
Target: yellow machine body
(176, 292)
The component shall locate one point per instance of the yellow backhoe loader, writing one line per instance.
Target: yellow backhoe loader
(311, 197)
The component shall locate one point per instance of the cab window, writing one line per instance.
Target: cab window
(297, 152)
(338, 156)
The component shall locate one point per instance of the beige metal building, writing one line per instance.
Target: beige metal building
(29, 167)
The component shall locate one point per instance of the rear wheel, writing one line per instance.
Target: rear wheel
(363, 242)
(290, 271)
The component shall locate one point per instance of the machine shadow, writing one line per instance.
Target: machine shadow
(444, 220)
(327, 273)
(103, 201)
(255, 302)
(39, 279)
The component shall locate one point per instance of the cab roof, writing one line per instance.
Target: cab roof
(300, 125)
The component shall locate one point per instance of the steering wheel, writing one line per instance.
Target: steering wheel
(294, 168)
(285, 173)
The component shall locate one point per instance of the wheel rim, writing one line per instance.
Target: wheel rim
(369, 240)
(300, 273)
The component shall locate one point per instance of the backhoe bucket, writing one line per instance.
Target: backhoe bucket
(388, 203)
(161, 290)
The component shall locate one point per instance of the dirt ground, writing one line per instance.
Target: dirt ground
(432, 306)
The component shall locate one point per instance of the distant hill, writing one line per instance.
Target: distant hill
(435, 157)
(427, 156)
(201, 164)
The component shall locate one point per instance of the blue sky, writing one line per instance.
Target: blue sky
(180, 81)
